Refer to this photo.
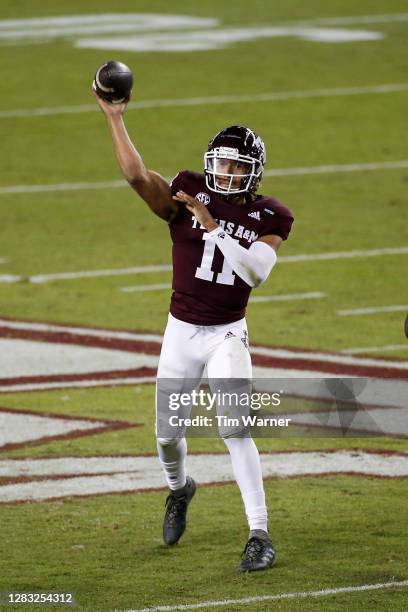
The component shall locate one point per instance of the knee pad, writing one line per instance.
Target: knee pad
(234, 433)
(168, 441)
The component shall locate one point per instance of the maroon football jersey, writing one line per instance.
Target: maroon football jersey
(205, 289)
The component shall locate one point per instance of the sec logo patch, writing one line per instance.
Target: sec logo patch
(202, 197)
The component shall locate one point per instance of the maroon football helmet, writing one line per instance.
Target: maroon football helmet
(234, 153)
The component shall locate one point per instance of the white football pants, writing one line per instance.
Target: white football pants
(187, 349)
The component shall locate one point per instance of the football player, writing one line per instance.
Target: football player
(225, 238)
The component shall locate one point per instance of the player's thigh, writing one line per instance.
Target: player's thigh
(180, 371)
(229, 373)
(179, 358)
(231, 359)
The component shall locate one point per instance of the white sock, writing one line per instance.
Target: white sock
(172, 456)
(248, 474)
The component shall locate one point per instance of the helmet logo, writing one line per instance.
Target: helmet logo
(203, 197)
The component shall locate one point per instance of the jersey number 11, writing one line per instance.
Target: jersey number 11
(225, 277)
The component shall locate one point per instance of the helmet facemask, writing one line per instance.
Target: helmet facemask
(228, 172)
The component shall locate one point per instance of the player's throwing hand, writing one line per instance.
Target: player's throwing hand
(109, 109)
(198, 209)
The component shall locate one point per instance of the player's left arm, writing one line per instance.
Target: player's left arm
(253, 265)
(273, 240)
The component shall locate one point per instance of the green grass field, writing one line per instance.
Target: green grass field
(330, 532)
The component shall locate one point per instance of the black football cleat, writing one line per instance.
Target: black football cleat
(174, 524)
(258, 554)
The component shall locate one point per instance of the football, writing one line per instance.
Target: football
(113, 82)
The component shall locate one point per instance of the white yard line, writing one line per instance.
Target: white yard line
(337, 168)
(259, 598)
(295, 171)
(144, 288)
(375, 349)
(343, 255)
(256, 299)
(212, 100)
(62, 187)
(312, 295)
(44, 278)
(373, 310)
(357, 19)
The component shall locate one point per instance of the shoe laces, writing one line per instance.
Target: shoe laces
(174, 505)
(254, 547)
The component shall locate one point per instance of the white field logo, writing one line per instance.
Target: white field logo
(45, 479)
(156, 32)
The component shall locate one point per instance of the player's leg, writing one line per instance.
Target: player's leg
(231, 360)
(180, 369)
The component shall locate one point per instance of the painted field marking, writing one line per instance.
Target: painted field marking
(57, 344)
(256, 299)
(79, 476)
(212, 100)
(116, 22)
(80, 331)
(31, 358)
(144, 288)
(62, 187)
(27, 330)
(140, 32)
(259, 598)
(281, 353)
(79, 384)
(44, 278)
(375, 349)
(22, 428)
(221, 38)
(357, 19)
(343, 255)
(373, 310)
(337, 168)
(45, 29)
(296, 171)
(311, 295)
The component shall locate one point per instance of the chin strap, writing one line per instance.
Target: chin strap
(253, 265)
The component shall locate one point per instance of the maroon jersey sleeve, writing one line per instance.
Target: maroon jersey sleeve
(180, 182)
(277, 219)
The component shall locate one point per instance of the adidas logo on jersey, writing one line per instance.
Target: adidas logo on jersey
(229, 335)
(255, 215)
